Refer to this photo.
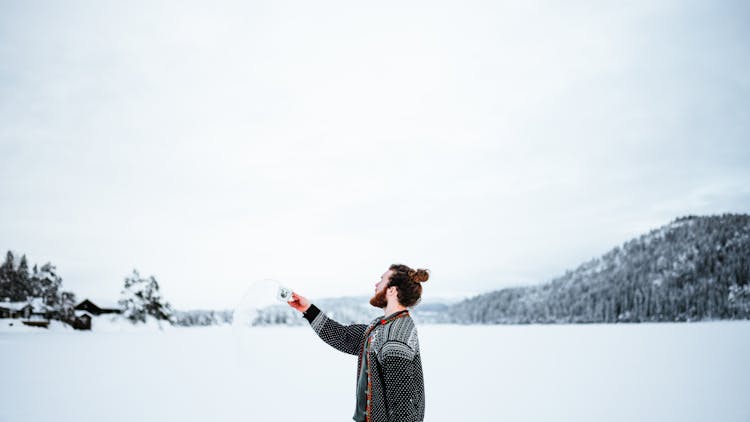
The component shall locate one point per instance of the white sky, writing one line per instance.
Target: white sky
(316, 143)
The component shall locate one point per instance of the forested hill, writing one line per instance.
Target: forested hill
(695, 268)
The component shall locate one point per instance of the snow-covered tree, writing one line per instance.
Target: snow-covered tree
(739, 299)
(140, 297)
(691, 269)
(67, 303)
(19, 283)
(45, 283)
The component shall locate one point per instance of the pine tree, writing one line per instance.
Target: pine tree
(6, 273)
(18, 278)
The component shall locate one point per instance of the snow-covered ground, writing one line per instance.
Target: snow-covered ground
(625, 372)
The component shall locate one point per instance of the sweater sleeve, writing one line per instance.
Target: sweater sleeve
(401, 381)
(346, 338)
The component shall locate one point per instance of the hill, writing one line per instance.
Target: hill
(695, 268)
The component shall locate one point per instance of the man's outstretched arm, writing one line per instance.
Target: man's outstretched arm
(346, 338)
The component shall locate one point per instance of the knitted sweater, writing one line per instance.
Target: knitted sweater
(395, 385)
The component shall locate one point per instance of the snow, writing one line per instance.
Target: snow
(113, 323)
(620, 372)
(14, 306)
(14, 325)
(107, 323)
(79, 313)
(38, 305)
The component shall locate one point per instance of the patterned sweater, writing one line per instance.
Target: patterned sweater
(395, 384)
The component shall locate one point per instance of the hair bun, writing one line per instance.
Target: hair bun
(420, 275)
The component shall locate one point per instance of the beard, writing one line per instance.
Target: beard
(379, 300)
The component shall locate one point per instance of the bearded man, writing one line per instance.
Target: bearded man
(390, 385)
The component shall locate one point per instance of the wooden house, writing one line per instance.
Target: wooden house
(15, 310)
(82, 320)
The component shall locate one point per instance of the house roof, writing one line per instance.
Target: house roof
(102, 303)
(37, 304)
(79, 314)
(14, 306)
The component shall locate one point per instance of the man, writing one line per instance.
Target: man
(390, 386)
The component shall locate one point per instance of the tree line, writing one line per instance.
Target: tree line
(695, 268)
(140, 296)
(20, 283)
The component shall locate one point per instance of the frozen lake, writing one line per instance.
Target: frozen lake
(625, 372)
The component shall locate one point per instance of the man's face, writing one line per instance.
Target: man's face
(379, 300)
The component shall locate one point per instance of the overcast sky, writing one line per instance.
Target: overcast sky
(494, 143)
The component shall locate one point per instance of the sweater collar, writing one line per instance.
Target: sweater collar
(395, 315)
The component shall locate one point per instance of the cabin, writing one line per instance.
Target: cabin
(34, 312)
(15, 310)
(86, 311)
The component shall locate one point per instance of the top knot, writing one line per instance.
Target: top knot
(419, 275)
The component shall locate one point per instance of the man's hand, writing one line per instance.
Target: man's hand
(299, 303)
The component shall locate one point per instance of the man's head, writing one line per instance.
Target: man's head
(400, 284)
